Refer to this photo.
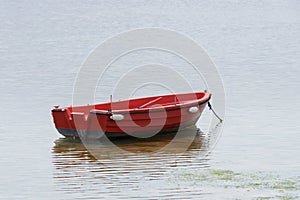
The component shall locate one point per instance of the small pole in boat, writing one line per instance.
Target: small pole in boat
(110, 109)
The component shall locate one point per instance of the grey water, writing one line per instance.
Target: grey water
(256, 48)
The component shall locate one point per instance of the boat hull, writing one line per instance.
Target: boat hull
(96, 134)
(156, 114)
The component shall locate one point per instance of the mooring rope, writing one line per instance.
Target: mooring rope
(210, 108)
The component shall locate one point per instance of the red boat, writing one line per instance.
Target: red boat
(134, 116)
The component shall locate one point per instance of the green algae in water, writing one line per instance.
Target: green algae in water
(226, 175)
(274, 186)
(263, 198)
(279, 197)
(287, 197)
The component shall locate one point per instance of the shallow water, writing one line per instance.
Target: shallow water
(256, 49)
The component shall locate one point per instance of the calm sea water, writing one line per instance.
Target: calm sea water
(256, 47)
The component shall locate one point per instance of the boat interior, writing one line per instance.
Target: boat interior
(144, 103)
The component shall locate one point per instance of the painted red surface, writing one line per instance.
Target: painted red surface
(157, 113)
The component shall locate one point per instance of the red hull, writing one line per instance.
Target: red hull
(151, 114)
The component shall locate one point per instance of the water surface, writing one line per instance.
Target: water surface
(256, 48)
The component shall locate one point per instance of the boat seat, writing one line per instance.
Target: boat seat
(149, 103)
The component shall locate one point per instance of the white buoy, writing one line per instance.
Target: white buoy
(193, 109)
(117, 117)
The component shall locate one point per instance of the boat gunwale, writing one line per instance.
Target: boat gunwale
(137, 110)
(153, 109)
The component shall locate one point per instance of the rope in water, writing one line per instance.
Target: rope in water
(210, 108)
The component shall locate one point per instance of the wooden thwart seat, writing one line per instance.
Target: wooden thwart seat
(149, 103)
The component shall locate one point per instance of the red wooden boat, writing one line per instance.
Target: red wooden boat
(134, 116)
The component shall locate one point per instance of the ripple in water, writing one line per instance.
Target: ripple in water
(139, 173)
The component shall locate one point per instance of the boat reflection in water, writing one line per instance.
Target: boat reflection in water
(140, 166)
(183, 143)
